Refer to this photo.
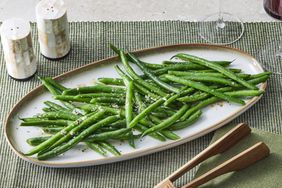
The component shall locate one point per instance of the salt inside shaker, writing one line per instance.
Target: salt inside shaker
(18, 51)
(53, 29)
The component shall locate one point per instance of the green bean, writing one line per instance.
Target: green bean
(93, 119)
(45, 122)
(95, 95)
(71, 98)
(178, 67)
(144, 122)
(108, 135)
(59, 115)
(159, 115)
(46, 109)
(111, 81)
(195, 97)
(145, 112)
(73, 108)
(186, 90)
(216, 67)
(201, 95)
(124, 58)
(145, 91)
(120, 123)
(212, 100)
(183, 124)
(125, 137)
(243, 76)
(107, 100)
(55, 106)
(205, 88)
(212, 79)
(235, 71)
(37, 140)
(165, 110)
(155, 120)
(151, 75)
(54, 126)
(166, 133)
(114, 134)
(137, 84)
(188, 73)
(222, 63)
(93, 108)
(164, 79)
(153, 66)
(169, 62)
(105, 129)
(198, 106)
(260, 74)
(50, 88)
(258, 80)
(52, 130)
(183, 68)
(154, 135)
(59, 149)
(55, 84)
(129, 102)
(203, 74)
(129, 108)
(97, 148)
(32, 119)
(170, 135)
(247, 93)
(140, 104)
(117, 134)
(53, 91)
(168, 122)
(57, 136)
(109, 147)
(93, 89)
(135, 76)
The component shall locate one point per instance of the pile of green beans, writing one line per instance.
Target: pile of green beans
(167, 97)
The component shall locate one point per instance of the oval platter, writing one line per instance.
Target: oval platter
(213, 116)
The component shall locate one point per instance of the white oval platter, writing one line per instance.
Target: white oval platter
(213, 116)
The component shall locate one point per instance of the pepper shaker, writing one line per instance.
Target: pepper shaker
(53, 29)
(18, 51)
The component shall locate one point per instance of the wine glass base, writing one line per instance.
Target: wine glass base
(221, 28)
(270, 56)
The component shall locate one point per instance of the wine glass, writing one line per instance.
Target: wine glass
(271, 52)
(221, 28)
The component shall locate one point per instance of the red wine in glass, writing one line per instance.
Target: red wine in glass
(273, 8)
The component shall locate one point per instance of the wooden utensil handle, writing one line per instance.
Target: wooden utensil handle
(244, 159)
(221, 145)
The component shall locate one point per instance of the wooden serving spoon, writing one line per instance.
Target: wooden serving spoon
(243, 160)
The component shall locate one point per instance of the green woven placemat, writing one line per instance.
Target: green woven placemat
(90, 42)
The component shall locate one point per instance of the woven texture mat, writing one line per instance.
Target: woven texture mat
(90, 42)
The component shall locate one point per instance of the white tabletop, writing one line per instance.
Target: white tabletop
(132, 10)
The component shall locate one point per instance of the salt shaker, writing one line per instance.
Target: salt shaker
(53, 29)
(18, 51)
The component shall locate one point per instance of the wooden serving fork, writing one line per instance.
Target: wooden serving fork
(243, 160)
(238, 162)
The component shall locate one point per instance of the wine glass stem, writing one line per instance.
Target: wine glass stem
(220, 24)
(279, 53)
(220, 8)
